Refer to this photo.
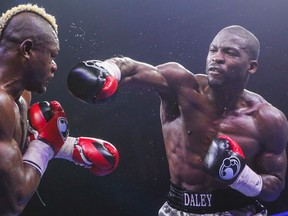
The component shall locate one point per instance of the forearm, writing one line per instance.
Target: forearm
(137, 74)
(17, 186)
(272, 168)
(272, 187)
(126, 65)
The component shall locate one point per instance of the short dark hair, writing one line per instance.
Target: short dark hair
(251, 40)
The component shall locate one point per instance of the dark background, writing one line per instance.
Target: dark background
(154, 31)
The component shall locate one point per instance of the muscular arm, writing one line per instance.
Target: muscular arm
(18, 181)
(272, 162)
(164, 79)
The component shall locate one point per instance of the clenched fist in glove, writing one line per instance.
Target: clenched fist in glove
(49, 138)
(100, 156)
(225, 160)
(48, 129)
(93, 80)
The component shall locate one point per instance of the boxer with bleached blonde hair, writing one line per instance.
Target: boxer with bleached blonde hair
(30, 136)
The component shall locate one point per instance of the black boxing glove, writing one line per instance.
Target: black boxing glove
(225, 160)
(93, 81)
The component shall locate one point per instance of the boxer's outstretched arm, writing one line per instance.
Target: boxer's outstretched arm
(93, 80)
(272, 162)
(163, 78)
(18, 181)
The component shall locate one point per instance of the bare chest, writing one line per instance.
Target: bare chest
(240, 125)
(194, 130)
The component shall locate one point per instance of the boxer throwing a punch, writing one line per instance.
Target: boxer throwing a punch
(28, 46)
(225, 145)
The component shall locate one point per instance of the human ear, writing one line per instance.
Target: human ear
(253, 66)
(26, 47)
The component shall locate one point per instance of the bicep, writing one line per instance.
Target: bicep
(273, 128)
(10, 161)
(142, 75)
(17, 182)
(274, 135)
(271, 162)
(165, 78)
(10, 155)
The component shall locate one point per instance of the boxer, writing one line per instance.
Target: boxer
(225, 145)
(29, 45)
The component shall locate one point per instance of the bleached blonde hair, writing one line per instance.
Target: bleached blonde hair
(7, 16)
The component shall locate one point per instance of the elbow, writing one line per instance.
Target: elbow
(11, 208)
(271, 194)
(270, 197)
(12, 203)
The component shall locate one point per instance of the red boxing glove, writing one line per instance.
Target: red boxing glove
(48, 123)
(100, 156)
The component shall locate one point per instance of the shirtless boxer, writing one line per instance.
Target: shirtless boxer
(225, 145)
(28, 46)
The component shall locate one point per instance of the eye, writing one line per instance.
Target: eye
(53, 56)
(212, 49)
(231, 52)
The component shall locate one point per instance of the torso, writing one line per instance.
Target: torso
(189, 127)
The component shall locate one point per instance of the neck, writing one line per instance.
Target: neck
(226, 100)
(10, 80)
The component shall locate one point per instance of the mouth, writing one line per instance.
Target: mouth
(213, 70)
(50, 78)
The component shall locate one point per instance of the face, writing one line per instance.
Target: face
(228, 62)
(42, 66)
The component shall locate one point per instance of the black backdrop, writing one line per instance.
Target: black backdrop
(154, 31)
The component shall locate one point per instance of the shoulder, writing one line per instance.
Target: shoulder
(6, 101)
(177, 75)
(174, 68)
(7, 113)
(265, 111)
(271, 123)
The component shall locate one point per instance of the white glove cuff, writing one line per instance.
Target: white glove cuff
(248, 182)
(66, 150)
(112, 69)
(38, 155)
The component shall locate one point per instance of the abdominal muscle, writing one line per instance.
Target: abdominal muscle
(186, 171)
(185, 154)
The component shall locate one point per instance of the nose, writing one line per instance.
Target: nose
(54, 67)
(217, 57)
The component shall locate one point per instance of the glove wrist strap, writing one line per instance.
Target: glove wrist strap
(38, 155)
(66, 150)
(248, 182)
(112, 69)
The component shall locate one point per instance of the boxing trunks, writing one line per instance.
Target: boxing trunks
(213, 202)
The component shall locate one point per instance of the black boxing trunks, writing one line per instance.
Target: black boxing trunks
(212, 202)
